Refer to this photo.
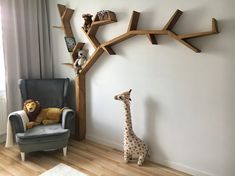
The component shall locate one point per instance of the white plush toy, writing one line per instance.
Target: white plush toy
(81, 60)
(134, 147)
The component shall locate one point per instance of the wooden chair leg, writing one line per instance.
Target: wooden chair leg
(22, 156)
(65, 151)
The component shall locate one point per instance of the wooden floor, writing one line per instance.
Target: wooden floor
(88, 157)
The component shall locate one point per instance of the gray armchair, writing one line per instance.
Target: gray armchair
(50, 93)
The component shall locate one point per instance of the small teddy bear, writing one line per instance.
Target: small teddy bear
(88, 20)
(81, 60)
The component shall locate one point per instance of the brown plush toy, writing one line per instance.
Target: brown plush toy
(32, 109)
(37, 115)
(88, 20)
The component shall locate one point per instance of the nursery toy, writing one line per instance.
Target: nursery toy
(37, 115)
(134, 147)
(32, 109)
(88, 20)
(103, 15)
(81, 60)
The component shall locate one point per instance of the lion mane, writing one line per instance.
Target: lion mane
(32, 115)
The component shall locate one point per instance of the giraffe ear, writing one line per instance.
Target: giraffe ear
(130, 90)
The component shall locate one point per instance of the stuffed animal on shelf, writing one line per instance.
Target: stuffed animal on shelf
(134, 147)
(81, 60)
(103, 14)
(37, 115)
(87, 21)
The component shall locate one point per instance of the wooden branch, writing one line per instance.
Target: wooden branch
(134, 21)
(103, 22)
(96, 24)
(152, 38)
(146, 32)
(68, 30)
(109, 50)
(94, 41)
(151, 34)
(214, 30)
(80, 94)
(67, 14)
(173, 35)
(195, 35)
(92, 30)
(171, 23)
(215, 26)
(94, 57)
(61, 9)
(118, 39)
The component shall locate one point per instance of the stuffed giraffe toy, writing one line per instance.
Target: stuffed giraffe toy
(134, 147)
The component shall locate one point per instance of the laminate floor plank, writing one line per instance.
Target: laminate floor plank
(86, 156)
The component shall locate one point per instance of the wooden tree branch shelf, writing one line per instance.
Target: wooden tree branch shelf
(65, 16)
(100, 48)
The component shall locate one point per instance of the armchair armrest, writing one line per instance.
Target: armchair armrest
(16, 122)
(67, 118)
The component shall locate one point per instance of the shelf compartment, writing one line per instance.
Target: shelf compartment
(78, 47)
(109, 16)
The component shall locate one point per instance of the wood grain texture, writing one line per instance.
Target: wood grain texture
(171, 23)
(214, 30)
(65, 16)
(88, 157)
(175, 36)
(134, 21)
(152, 39)
(80, 94)
(109, 50)
(61, 9)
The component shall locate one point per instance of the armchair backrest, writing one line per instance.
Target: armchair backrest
(49, 92)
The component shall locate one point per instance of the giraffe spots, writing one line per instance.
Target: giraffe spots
(132, 144)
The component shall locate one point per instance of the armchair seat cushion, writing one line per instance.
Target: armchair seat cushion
(43, 134)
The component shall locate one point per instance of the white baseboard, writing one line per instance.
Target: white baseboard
(170, 164)
(184, 168)
(105, 142)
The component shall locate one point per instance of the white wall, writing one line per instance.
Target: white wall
(183, 103)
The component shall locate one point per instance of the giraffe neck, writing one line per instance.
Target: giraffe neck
(128, 123)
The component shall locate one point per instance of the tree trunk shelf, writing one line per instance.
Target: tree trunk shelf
(100, 48)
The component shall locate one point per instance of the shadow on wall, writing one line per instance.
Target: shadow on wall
(151, 123)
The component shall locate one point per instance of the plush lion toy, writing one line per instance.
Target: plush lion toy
(32, 109)
(37, 115)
